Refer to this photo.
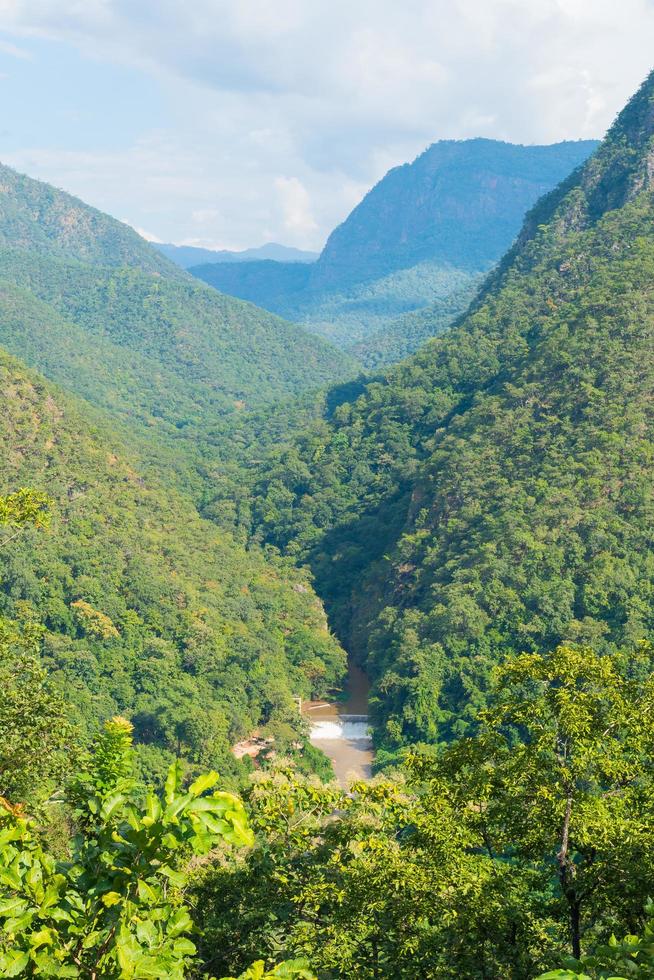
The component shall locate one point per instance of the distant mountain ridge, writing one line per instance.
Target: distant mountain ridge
(189, 255)
(423, 234)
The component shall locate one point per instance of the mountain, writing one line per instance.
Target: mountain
(188, 255)
(38, 218)
(493, 493)
(88, 302)
(148, 610)
(424, 234)
(460, 203)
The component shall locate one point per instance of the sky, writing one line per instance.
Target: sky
(230, 123)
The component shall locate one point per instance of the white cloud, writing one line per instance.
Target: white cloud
(14, 51)
(296, 205)
(327, 93)
(149, 237)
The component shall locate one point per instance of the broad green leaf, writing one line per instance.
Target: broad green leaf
(111, 804)
(203, 783)
(111, 898)
(173, 781)
(13, 964)
(179, 923)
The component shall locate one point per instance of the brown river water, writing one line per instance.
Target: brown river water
(340, 729)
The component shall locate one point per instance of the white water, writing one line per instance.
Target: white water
(345, 728)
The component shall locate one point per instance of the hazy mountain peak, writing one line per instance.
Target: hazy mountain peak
(422, 235)
(190, 255)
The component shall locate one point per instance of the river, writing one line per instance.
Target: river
(340, 729)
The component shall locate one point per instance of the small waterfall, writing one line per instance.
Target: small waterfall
(347, 728)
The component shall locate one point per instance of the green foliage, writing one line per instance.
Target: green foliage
(36, 736)
(115, 908)
(149, 610)
(499, 855)
(561, 770)
(287, 970)
(25, 507)
(632, 956)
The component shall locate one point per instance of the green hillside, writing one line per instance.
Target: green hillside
(39, 218)
(423, 235)
(494, 493)
(89, 303)
(148, 610)
(406, 334)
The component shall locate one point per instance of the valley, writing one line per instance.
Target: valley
(327, 581)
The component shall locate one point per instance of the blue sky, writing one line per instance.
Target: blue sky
(229, 123)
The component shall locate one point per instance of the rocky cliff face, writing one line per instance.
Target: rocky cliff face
(461, 203)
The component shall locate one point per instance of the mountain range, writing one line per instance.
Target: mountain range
(425, 235)
(189, 255)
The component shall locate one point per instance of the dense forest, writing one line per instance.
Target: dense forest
(423, 235)
(144, 607)
(187, 479)
(493, 493)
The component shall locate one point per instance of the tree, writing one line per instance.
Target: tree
(35, 733)
(285, 971)
(24, 507)
(369, 884)
(36, 737)
(499, 854)
(633, 956)
(560, 778)
(116, 908)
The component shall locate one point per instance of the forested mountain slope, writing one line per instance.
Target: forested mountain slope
(422, 235)
(148, 610)
(37, 217)
(494, 493)
(87, 301)
(402, 337)
(461, 202)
